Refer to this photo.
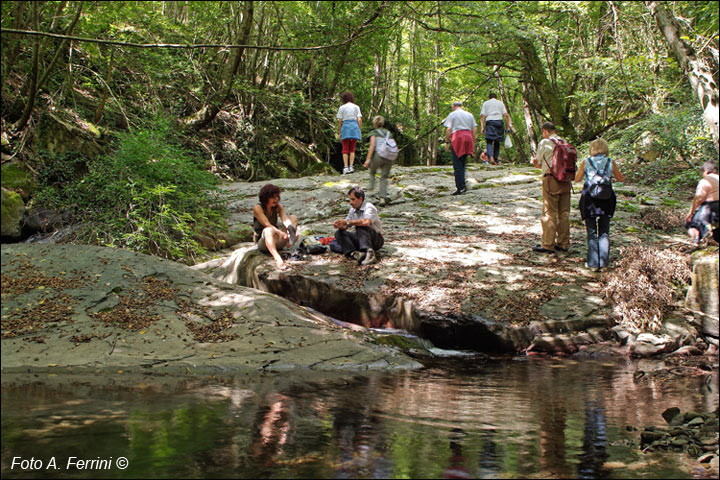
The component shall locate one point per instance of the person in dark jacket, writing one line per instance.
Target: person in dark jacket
(597, 213)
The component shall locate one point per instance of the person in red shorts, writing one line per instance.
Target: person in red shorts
(349, 126)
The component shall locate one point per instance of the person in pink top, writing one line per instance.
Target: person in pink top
(460, 132)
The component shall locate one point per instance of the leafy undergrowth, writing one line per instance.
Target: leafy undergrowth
(644, 285)
(665, 219)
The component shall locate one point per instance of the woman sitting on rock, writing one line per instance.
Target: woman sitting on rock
(270, 236)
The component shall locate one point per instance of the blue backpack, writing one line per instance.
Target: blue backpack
(599, 182)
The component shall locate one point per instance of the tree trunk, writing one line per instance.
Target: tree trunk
(106, 90)
(33, 76)
(545, 94)
(529, 121)
(207, 113)
(698, 70)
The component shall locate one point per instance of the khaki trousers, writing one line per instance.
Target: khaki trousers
(555, 219)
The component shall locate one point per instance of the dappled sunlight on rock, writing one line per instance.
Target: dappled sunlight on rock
(430, 249)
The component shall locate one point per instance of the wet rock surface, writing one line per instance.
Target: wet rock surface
(692, 432)
(458, 270)
(80, 308)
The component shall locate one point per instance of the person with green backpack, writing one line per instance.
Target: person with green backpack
(597, 202)
(381, 154)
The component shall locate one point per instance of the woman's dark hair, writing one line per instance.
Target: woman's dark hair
(347, 97)
(267, 192)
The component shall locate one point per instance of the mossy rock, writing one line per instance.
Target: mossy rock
(318, 169)
(405, 344)
(17, 177)
(13, 209)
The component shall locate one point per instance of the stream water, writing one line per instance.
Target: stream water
(501, 418)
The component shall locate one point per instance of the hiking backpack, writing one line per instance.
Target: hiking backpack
(599, 184)
(387, 149)
(563, 166)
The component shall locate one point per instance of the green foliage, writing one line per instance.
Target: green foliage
(148, 195)
(666, 149)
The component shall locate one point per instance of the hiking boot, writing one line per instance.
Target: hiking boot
(558, 248)
(541, 249)
(369, 257)
(292, 234)
(592, 269)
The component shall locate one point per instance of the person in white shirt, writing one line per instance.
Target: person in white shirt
(492, 126)
(349, 130)
(361, 244)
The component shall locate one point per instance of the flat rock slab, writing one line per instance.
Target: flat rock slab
(102, 309)
(462, 263)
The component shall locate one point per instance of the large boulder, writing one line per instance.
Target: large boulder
(702, 296)
(17, 177)
(13, 209)
(95, 308)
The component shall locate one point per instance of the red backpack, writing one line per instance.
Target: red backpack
(563, 162)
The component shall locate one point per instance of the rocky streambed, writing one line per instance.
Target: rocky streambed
(459, 270)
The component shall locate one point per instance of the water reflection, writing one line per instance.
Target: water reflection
(499, 419)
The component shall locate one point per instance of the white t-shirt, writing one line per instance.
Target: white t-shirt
(493, 109)
(349, 111)
(460, 119)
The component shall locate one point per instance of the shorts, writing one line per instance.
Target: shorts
(263, 247)
(348, 145)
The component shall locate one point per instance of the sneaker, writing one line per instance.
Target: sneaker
(351, 169)
(346, 170)
(541, 249)
(369, 258)
(459, 192)
(358, 256)
(593, 269)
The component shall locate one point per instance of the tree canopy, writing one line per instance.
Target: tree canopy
(250, 85)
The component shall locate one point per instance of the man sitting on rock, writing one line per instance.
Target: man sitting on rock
(368, 235)
(270, 236)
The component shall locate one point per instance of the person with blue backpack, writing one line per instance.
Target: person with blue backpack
(597, 202)
(382, 152)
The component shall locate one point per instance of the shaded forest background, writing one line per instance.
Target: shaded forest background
(126, 113)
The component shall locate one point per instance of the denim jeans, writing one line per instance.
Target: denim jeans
(493, 149)
(598, 241)
(459, 169)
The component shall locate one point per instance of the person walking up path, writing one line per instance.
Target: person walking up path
(460, 133)
(375, 161)
(349, 130)
(555, 218)
(494, 121)
(596, 211)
